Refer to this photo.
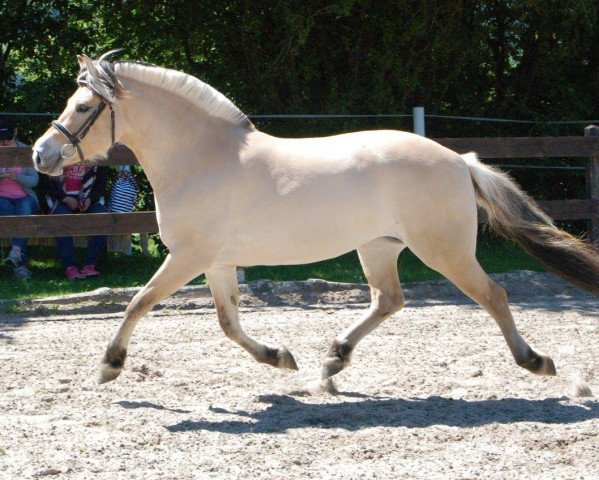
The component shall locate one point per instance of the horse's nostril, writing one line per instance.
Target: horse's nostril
(36, 158)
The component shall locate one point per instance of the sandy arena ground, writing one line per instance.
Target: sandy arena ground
(433, 393)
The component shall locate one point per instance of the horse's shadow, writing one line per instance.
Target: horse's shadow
(284, 413)
(155, 406)
(8, 324)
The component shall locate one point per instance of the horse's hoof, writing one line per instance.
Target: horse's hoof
(278, 357)
(539, 364)
(331, 366)
(108, 374)
(112, 363)
(285, 359)
(548, 367)
(337, 359)
(327, 386)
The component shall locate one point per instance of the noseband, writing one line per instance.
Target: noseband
(79, 135)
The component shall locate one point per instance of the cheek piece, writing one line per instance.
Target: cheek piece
(70, 149)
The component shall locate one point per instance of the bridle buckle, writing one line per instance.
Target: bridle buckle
(76, 138)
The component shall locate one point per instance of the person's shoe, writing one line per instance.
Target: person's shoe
(73, 273)
(22, 273)
(15, 256)
(89, 271)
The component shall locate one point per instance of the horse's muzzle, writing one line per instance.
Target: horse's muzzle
(51, 167)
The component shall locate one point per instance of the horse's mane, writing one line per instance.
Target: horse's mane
(200, 94)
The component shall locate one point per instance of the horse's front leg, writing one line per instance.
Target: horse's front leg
(175, 272)
(222, 280)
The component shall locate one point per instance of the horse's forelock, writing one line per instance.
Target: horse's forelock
(103, 82)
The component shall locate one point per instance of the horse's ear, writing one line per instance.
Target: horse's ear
(111, 53)
(91, 68)
(81, 62)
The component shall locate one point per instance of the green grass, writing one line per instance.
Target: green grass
(119, 270)
(48, 276)
(494, 255)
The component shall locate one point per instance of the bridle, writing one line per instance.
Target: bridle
(77, 137)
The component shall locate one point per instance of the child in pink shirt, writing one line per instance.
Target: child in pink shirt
(79, 189)
(16, 196)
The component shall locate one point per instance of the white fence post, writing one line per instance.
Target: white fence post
(418, 116)
(240, 275)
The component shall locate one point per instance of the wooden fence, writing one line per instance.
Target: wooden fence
(487, 148)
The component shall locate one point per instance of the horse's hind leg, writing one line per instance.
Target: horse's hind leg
(222, 280)
(379, 261)
(465, 272)
(172, 275)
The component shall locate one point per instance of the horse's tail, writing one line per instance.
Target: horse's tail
(514, 215)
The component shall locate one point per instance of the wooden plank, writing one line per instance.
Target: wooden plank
(592, 181)
(571, 209)
(15, 157)
(499, 147)
(21, 157)
(145, 222)
(78, 224)
(523, 147)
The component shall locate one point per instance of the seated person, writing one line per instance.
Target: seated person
(16, 196)
(79, 189)
(123, 195)
(122, 199)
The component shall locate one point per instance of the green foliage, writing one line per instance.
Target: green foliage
(511, 58)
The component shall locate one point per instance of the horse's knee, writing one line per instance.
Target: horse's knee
(387, 303)
(138, 307)
(398, 301)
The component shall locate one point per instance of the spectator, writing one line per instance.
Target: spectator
(16, 196)
(79, 189)
(123, 195)
(122, 199)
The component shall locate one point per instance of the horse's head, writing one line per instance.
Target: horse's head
(86, 127)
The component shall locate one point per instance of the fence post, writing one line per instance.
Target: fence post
(592, 182)
(240, 275)
(418, 117)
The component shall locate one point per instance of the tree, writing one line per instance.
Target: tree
(512, 58)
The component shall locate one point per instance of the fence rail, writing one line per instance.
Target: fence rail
(78, 224)
(496, 147)
(513, 148)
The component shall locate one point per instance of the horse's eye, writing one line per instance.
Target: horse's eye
(82, 108)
